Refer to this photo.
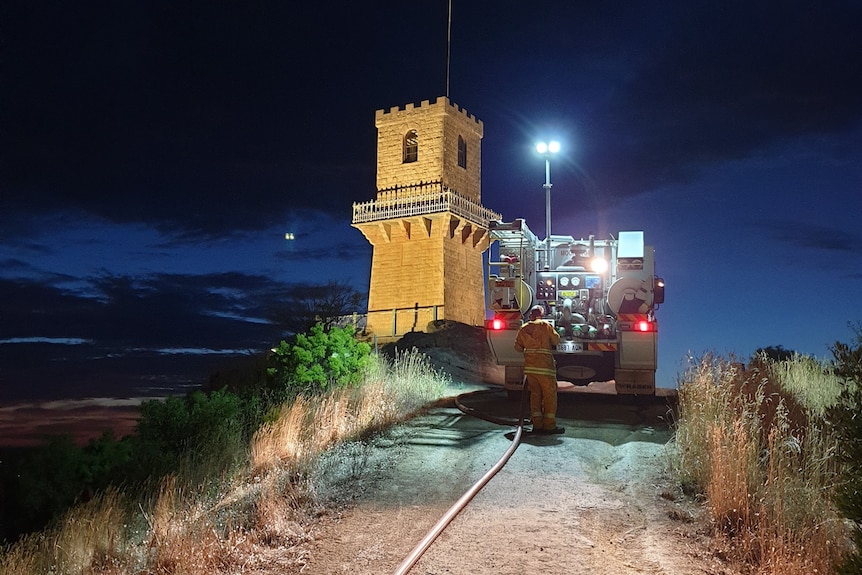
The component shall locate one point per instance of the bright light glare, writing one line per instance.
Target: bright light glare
(551, 147)
(288, 236)
(599, 265)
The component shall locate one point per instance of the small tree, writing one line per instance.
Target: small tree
(308, 304)
(319, 359)
(775, 353)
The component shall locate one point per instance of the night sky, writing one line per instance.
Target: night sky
(154, 154)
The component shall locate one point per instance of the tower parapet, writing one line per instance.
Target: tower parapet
(440, 101)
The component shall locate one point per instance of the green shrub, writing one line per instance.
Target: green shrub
(201, 432)
(318, 360)
(48, 479)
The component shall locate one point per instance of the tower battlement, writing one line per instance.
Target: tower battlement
(440, 102)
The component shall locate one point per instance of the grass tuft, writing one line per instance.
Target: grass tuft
(753, 441)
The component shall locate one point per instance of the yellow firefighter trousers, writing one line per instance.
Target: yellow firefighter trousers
(543, 401)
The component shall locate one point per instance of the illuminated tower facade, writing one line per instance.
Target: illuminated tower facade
(427, 225)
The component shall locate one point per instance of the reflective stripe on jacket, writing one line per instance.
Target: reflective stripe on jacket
(536, 339)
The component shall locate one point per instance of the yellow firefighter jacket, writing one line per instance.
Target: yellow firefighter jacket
(536, 339)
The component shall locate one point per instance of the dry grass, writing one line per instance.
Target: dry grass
(182, 536)
(251, 521)
(763, 457)
(805, 379)
(90, 539)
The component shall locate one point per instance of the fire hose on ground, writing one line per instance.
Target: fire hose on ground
(465, 499)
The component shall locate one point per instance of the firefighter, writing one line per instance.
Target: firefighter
(536, 339)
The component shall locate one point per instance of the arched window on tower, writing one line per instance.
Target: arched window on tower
(411, 147)
(462, 152)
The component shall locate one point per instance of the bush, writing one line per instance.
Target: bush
(846, 418)
(50, 478)
(318, 360)
(203, 431)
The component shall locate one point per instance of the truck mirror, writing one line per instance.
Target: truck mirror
(658, 291)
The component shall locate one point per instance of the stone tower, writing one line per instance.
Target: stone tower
(427, 225)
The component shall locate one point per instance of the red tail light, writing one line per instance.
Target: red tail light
(504, 321)
(644, 325)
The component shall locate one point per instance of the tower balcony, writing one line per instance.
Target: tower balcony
(420, 199)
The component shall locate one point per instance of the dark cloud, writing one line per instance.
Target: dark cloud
(816, 237)
(120, 330)
(734, 77)
(651, 95)
(342, 251)
(214, 311)
(204, 119)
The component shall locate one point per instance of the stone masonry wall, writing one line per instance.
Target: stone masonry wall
(424, 269)
(438, 126)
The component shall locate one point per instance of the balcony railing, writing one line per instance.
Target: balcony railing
(420, 199)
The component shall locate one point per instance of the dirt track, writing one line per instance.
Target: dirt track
(595, 500)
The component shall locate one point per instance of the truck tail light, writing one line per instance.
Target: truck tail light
(636, 322)
(505, 320)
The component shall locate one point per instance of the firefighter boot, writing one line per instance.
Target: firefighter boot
(538, 422)
(549, 426)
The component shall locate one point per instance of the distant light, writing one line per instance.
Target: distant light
(288, 236)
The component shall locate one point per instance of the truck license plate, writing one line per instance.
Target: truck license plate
(569, 346)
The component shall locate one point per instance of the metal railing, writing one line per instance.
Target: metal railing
(402, 317)
(420, 199)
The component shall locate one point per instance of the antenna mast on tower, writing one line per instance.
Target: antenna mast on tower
(448, 47)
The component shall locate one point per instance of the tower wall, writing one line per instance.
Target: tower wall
(464, 287)
(424, 269)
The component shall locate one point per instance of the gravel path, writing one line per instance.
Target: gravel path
(595, 500)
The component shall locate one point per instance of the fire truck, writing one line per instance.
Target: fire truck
(600, 295)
